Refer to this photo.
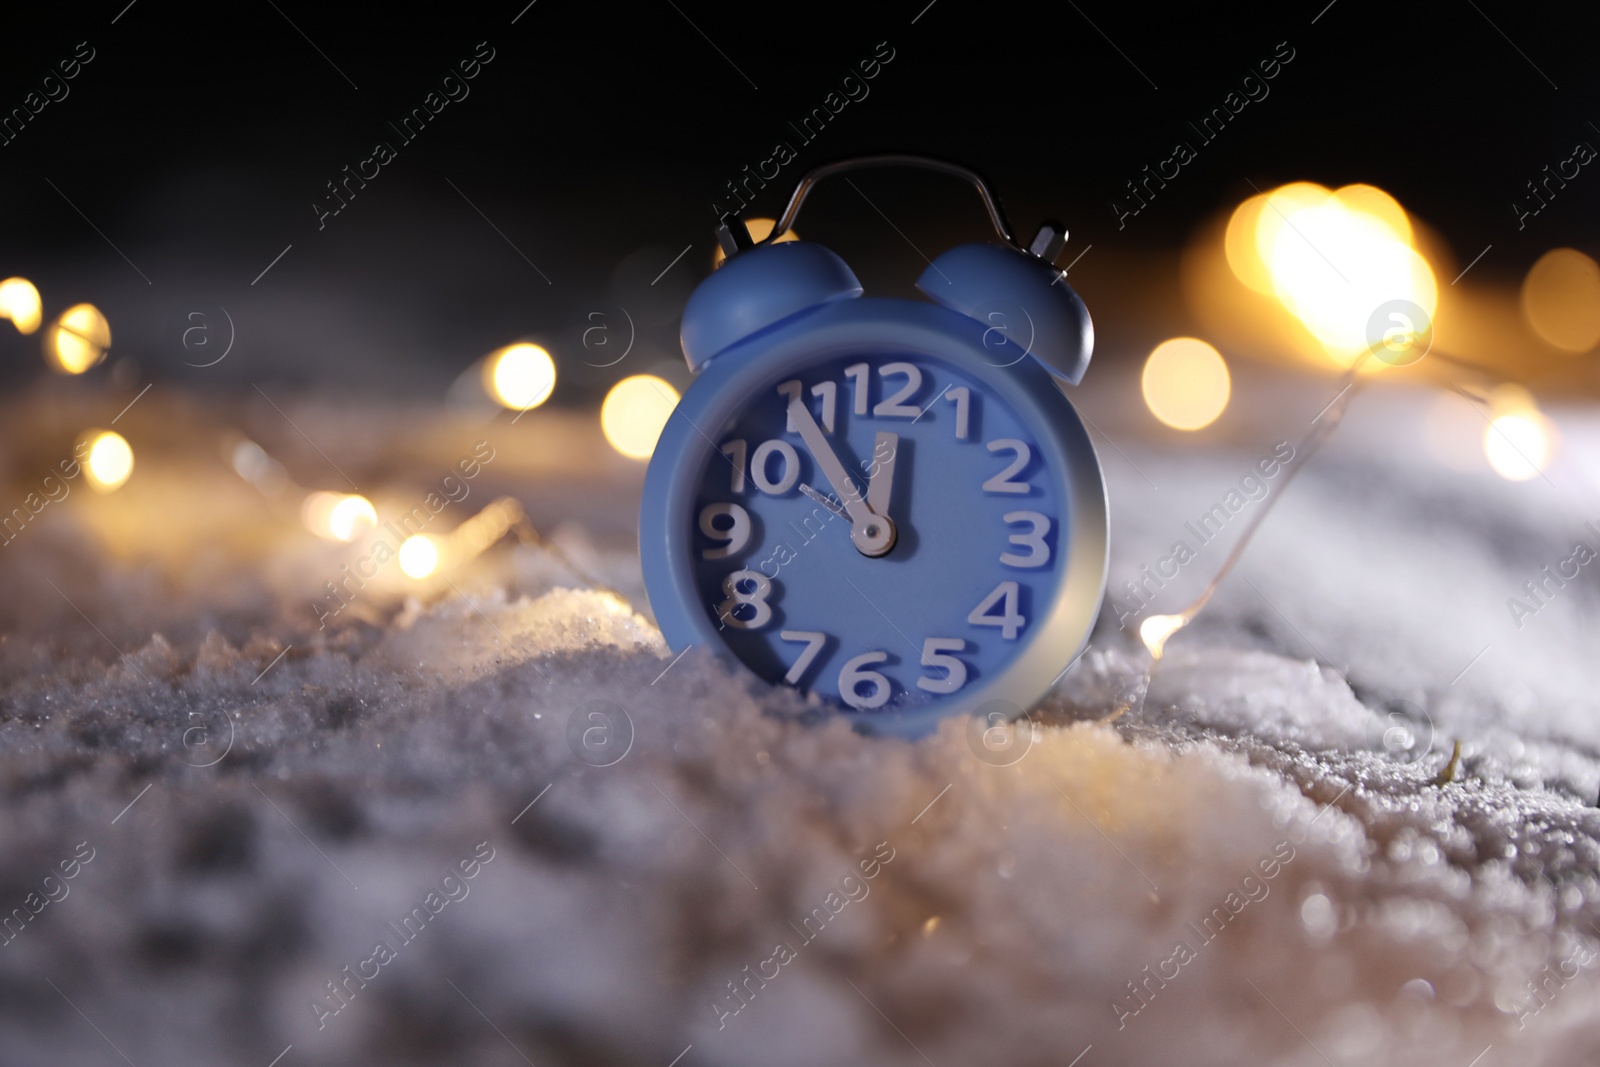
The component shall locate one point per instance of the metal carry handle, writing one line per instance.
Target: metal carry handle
(734, 240)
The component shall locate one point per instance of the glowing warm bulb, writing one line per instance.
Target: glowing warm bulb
(759, 229)
(1333, 267)
(419, 556)
(19, 302)
(1339, 261)
(1518, 444)
(1561, 298)
(338, 516)
(351, 517)
(1155, 631)
(1186, 383)
(635, 412)
(78, 339)
(109, 461)
(520, 376)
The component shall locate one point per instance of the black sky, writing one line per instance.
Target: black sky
(199, 137)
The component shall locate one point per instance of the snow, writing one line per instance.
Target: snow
(299, 805)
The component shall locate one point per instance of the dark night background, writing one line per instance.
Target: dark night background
(200, 135)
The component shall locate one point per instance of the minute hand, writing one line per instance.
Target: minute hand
(817, 444)
(873, 535)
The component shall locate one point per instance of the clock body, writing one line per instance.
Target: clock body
(990, 482)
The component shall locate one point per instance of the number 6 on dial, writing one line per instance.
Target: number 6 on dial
(855, 672)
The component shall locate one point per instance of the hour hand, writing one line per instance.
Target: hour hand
(880, 486)
(871, 534)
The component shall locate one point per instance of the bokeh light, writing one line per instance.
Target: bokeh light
(1331, 258)
(1333, 267)
(520, 376)
(352, 516)
(419, 556)
(1255, 225)
(109, 459)
(1239, 245)
(252, 463)
(635, 412)
(316, 511)
(1519, 440)
(759, 229)
(19, 302)
(1186, 383)
(77, 340)
(1517, 446)
(338, 516)
(1374, 203)
(1561, 298)
(472, 537)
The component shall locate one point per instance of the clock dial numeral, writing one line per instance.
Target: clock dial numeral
(814, 640)
(951, 672)
(790, 391)
(838, 441)
(734, 536)
(1002, 483)
(827, 392)
(1034, 540)
(1007, 596)
(961, 397)
(857, 373)
(746, 589)
(895, 406)
(759, 467)
(735, 451)
(855, 673)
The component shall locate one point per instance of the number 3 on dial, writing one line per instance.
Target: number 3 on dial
(1034, 540)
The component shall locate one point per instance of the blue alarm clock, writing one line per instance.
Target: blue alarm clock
(887, 503)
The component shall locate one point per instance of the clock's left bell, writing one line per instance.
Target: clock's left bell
(757, 288)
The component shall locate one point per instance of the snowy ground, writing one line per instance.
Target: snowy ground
(243, 830)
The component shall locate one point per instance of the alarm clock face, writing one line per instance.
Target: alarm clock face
(881, 528)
